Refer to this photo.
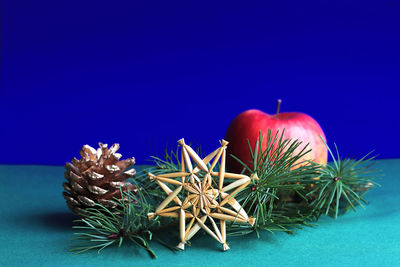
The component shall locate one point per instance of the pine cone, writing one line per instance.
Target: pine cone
(97, 178)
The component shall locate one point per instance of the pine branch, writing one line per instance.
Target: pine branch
(281, 174)
(100, 228)
(342, 184)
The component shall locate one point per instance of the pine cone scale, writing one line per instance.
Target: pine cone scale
(97, 190)
(73, 177)
(72, 168)
(108, 203)
(77, 187)
(112, 168)
(94, 175)
(70, 199)
(66, 187)
(86, 201)
(122, 165)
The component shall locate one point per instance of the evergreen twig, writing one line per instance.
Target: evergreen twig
(100, 228)
(281, 174)
(342, 184)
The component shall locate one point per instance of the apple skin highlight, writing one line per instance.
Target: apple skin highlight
(248, 124)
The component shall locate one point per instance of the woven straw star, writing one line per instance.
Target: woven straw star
(203, 204)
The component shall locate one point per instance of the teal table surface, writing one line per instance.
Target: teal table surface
(35, 229)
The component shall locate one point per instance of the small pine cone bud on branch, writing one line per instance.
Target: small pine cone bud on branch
(97, 178)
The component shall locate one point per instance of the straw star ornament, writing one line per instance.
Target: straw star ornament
(204, 202)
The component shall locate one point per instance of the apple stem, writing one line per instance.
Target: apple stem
(278, 107)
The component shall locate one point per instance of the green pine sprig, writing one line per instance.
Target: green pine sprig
(100, 228)
(281, 175)
(342, 184)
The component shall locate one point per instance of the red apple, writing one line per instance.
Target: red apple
(248, 124)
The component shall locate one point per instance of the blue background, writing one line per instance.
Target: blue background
(147, 73)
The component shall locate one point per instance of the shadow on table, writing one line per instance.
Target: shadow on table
(55, 221)
(203, 241)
